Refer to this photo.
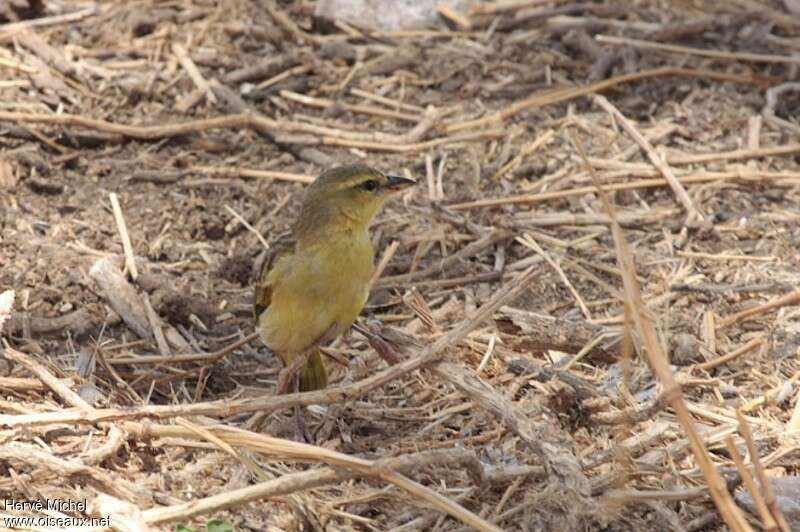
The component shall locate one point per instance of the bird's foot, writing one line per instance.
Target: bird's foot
(288, 378)
(301, 433)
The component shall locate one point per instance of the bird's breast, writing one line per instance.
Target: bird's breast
(318, 290)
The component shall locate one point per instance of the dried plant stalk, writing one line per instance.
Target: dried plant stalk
(659, 364)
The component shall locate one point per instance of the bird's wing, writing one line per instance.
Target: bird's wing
(283, 245)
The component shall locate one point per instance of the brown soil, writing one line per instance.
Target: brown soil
(603, 429)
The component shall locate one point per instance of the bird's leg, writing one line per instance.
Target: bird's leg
(287, 373)
(300, 431)
(291, 373)
(289, 379)
(256, 420)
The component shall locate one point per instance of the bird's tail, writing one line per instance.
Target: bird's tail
(313, 375)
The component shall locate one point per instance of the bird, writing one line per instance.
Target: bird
(315, 279)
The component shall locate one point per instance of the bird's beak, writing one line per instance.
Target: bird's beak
(396, 183)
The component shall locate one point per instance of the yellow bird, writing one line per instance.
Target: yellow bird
(315, 280)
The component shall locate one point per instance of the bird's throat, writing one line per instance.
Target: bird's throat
(324, 222)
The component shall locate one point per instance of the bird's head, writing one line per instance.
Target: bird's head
(352, 194)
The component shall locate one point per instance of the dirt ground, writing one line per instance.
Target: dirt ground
(205, 119)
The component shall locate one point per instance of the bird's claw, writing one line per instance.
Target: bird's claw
(301, 433)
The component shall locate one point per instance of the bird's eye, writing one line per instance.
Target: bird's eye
(369, 185)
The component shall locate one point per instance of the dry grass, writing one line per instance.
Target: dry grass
(594, 295)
